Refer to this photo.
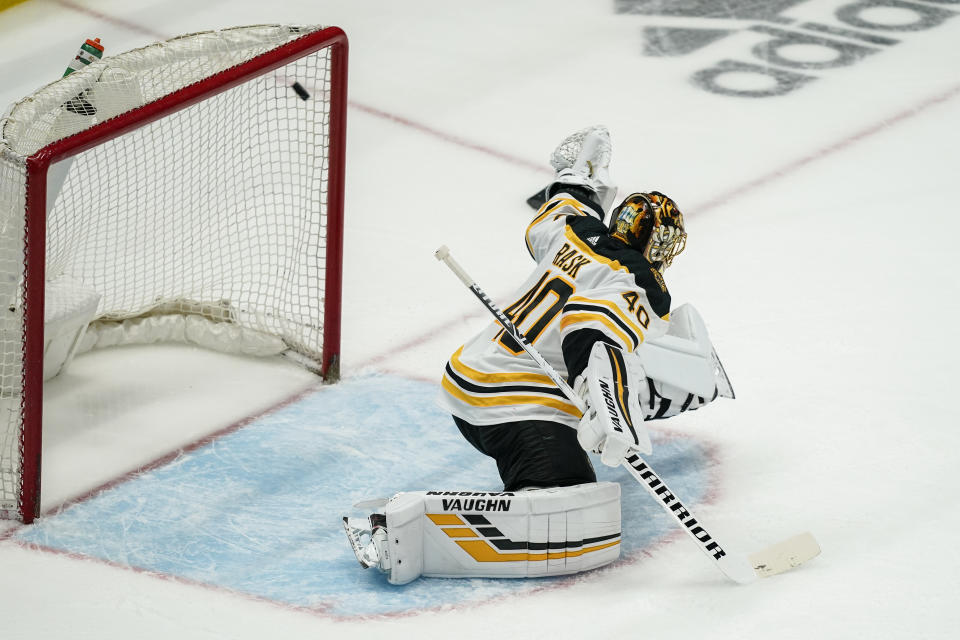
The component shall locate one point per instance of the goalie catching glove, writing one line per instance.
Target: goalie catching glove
(582, 159)
(614, 389)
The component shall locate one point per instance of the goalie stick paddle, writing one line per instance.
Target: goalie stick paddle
(736, 566)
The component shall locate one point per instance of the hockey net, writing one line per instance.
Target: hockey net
(190, 190)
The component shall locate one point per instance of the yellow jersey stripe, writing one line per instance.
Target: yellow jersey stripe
(495, 378)
(550, 207)
(577, 318)
(628, 320)
(506, 399)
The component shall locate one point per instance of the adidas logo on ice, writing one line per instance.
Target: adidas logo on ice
(793, 51)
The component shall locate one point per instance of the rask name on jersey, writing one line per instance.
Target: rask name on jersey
(569, 260)
(586, 287)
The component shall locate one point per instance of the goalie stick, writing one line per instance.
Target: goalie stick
(738, 567)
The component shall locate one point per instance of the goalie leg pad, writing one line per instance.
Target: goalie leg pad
(470, 534)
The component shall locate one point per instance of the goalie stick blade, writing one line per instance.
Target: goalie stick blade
(737, 568)
(785, 555)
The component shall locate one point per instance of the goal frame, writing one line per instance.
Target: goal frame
(35, 235)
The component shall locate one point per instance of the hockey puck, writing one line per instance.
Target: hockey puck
(300, 91)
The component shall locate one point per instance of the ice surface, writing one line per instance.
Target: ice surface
(822, 256)
(257, 511)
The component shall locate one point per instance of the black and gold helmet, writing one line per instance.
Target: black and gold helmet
(652, 224)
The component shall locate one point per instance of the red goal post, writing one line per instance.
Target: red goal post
(191, 190)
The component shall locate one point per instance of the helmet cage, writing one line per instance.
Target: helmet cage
(652, 224)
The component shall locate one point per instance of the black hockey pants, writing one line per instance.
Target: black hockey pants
(532, 453)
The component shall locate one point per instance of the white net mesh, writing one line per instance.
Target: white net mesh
(218, 210)
(12, 201)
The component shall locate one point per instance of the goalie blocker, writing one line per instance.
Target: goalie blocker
(613, 388)
(476, 534)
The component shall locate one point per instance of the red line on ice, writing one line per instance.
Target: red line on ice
(819, 154)
(120, 22)
(406, 122)
(171, 456)
(322, 609)
(457, 140)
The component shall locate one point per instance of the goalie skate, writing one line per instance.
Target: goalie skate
(368, 539)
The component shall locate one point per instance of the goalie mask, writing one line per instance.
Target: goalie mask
(652, 224)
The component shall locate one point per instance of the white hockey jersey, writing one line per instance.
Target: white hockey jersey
(586, 287)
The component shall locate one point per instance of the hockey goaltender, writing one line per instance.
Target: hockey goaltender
(597, 309)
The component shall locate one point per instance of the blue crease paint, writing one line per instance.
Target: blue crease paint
(258, 510)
